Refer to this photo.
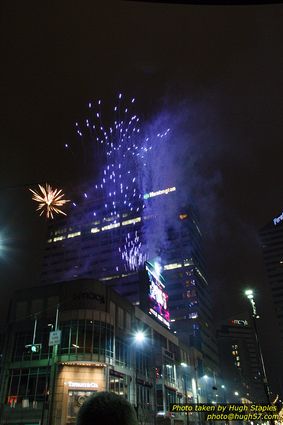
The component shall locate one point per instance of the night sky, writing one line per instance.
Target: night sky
(217, 68)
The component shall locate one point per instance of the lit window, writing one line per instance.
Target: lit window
(183, 216)
(109, 277)
(110, 226)
(73, 235)
(59, 238)
(132, 221)
(95, 230)
(172, 266)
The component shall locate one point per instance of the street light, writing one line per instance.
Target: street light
(139, 337)
(204, 386)
(250, 295)
(184, 365)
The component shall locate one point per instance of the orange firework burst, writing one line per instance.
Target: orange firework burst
(49, 200)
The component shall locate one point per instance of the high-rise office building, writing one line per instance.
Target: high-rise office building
(240, 364)
(271, 237)
(84, 245)
(272, 245)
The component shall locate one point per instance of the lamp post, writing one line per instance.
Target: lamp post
(250, 295)
(206, 379)
(185, 366)
(140, 338)
(52, 373)
(224, 400)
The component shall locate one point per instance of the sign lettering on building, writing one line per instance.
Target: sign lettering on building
(74, 384)
(278, 219)
(239, 322)
(89, 296)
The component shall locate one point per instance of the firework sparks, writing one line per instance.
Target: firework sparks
(124, 149)
(132, 252)
(49, 200)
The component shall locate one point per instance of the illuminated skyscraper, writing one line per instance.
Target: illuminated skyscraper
(82, 245)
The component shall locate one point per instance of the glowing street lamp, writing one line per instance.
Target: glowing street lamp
(139, 337)
(249, 293)
(185, 377)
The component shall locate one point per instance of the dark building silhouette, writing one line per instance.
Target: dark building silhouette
(272, 246)
(240, 365)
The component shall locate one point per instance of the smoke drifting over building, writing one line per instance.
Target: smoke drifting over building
(140, 208)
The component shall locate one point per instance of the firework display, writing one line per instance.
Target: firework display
(125, 152)
(49, 200)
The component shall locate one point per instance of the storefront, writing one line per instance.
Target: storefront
(75, 382)
(97, 351)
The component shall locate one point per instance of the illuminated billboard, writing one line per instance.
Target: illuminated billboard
(156, 296)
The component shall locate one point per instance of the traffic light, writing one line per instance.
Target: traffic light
(33, 348)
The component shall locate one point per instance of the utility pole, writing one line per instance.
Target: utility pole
(53, 374)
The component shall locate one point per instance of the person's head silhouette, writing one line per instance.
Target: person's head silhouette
(106, 409)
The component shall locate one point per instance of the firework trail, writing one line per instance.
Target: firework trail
(125, 150)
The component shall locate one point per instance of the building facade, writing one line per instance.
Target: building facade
(65, 341)
(271, 237)
(240, 361)
(84, 245)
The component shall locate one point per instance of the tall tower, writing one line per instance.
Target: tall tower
(271, 236)
(239, 359)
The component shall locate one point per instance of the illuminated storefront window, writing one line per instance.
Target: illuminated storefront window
(75, 400)
(118, 384)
